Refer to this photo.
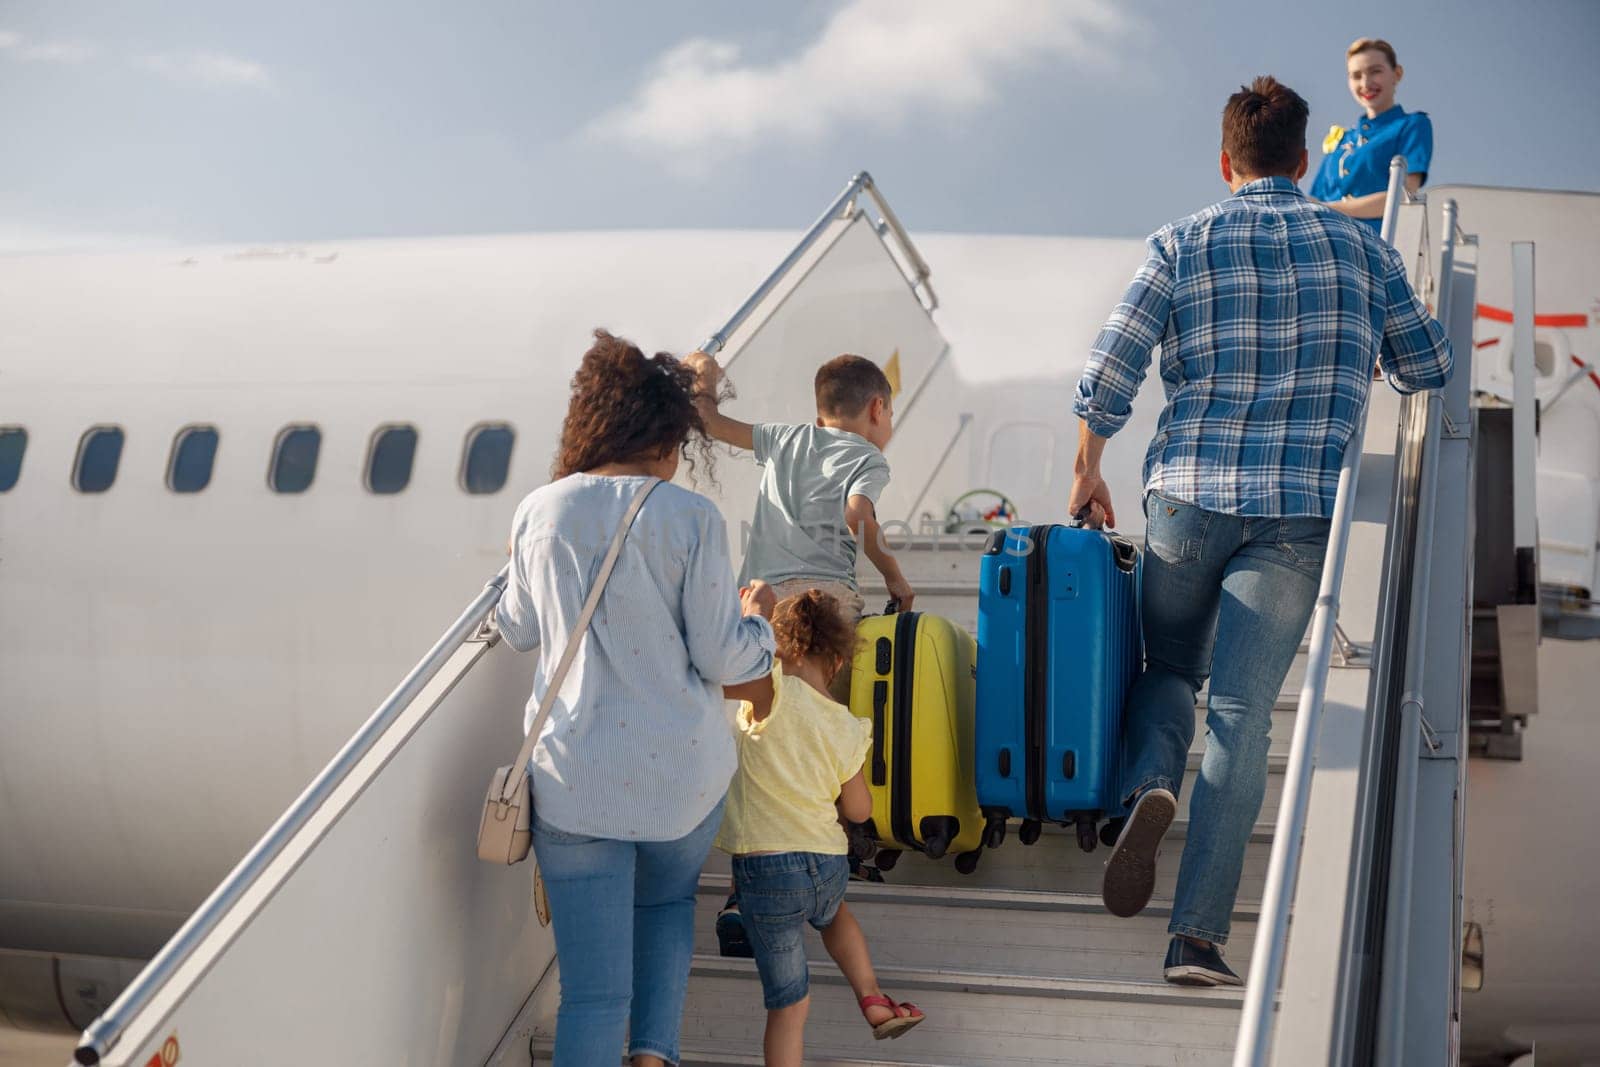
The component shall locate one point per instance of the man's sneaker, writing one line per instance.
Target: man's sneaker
(732, 941)
(1189, 964)
(1131, 870)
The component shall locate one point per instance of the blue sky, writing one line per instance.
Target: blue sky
(195, 121)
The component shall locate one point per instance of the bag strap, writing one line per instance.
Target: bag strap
(559, 675)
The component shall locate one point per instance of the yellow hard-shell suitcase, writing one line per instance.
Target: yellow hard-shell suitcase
(914, 677)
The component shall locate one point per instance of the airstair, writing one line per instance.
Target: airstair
(362, 929)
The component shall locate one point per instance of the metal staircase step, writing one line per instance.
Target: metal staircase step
(1066, 935)
(973, 1018)
(1055, 864)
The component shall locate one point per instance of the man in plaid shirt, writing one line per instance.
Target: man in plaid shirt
(1271, 311)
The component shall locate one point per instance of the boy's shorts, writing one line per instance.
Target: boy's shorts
(850, 602)
(779, 893)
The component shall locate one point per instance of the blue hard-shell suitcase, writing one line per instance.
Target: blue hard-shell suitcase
(1058, 646)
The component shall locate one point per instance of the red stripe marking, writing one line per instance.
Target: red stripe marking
(1593, 376)
(1575, 322)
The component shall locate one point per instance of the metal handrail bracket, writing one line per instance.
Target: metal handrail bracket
(1266, 961)
(105, 1031)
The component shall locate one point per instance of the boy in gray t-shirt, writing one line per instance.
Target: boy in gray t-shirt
(820, 485)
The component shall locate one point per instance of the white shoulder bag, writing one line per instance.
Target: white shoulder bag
(506, 829)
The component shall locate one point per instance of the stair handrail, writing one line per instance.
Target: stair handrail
(841, 207)
(1413, 707)
(105, 1031)
(1283, 866)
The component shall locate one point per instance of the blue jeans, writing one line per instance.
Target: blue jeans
(623, 913)
(1229, 597)
(779, 893)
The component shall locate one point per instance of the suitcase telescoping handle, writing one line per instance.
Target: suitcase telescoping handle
(1124, 551)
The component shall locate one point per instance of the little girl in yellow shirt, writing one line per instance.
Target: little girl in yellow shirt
(801, 756)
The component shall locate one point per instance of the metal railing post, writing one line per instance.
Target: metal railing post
(1447, 263)
(1395, 197)
(918, 265)
(1283, 866)
(1523, 446)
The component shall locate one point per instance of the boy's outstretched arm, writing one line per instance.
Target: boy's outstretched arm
(862, 518)
(708, 377)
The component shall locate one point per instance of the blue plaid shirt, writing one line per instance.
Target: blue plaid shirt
(1270, 310)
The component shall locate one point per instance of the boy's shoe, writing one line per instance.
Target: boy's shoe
(1131, 871)
(732, 941)
(864, 872)
(1189, 964)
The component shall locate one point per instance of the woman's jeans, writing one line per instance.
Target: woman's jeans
(1226, 596)
(623, 913)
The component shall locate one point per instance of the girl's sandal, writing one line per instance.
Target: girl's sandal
(905, 1016)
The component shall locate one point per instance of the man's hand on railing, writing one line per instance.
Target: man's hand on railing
(757, 598)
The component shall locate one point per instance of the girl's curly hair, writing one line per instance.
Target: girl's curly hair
(811, 624)
(628, 407)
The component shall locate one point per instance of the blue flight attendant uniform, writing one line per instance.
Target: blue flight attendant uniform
(1355, 162)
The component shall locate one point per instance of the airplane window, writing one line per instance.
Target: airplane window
(13, 443)
(488, 458)
(389, 462)
(193, 452)
(294, 459)
(98, 455)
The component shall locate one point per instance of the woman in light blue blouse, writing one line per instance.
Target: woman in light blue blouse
(633, 762)
(1354, 176)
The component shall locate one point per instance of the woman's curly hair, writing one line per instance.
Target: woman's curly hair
(811, 624)
(627, 407)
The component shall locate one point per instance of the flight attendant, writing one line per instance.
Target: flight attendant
(1354, 176)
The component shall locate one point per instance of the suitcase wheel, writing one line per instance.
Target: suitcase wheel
(1029, 834)
(1087, 838)
(937, 832)
(994, 834)
(1111, 831)
(967, 862)
(887, 858)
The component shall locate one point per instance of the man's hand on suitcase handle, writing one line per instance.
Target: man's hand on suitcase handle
(1090, 494)
(1090, 502)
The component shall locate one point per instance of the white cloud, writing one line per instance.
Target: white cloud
(875, 62)
(212, 69)
(15, 44)
(203, 68)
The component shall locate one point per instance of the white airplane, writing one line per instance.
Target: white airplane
(242, 489)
